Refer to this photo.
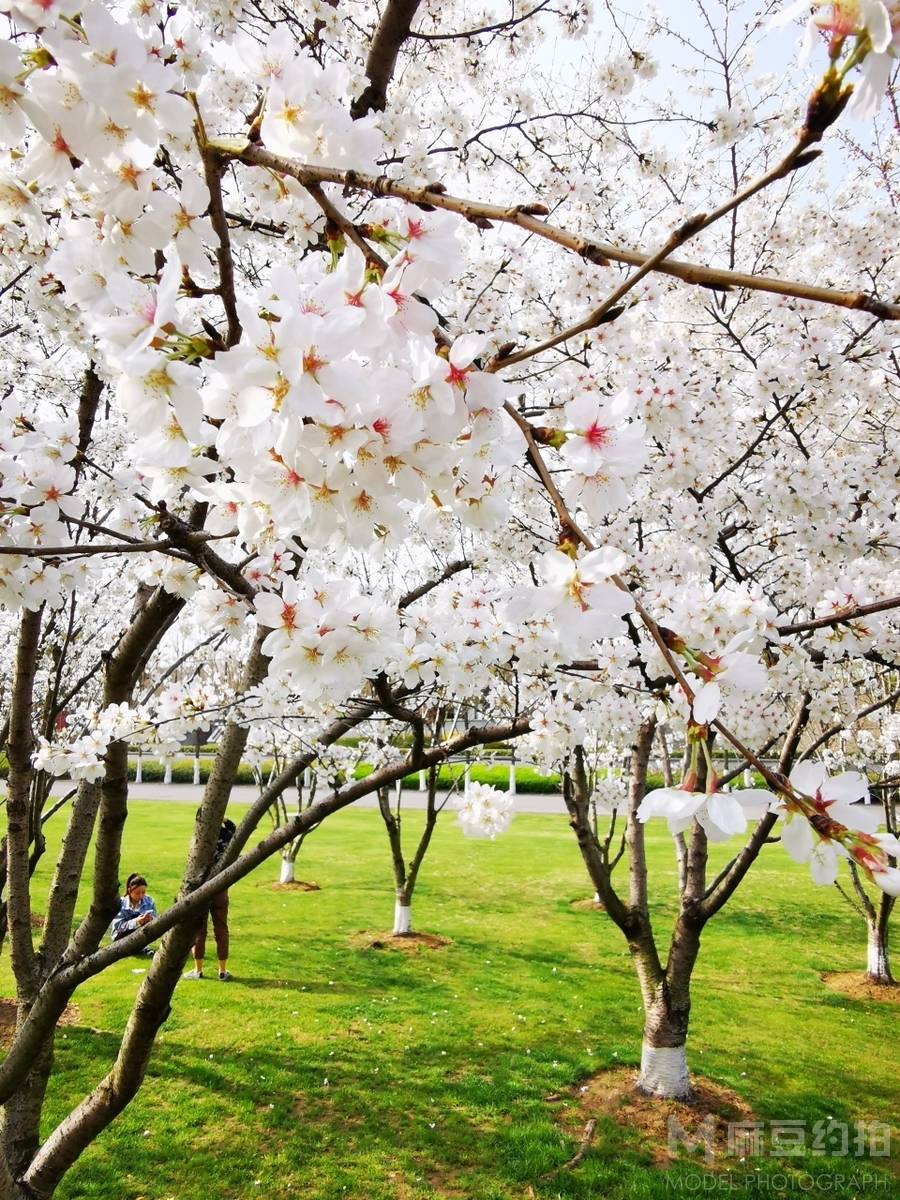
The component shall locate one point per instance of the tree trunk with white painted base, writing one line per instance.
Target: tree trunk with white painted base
(282, 811)
(402, 914)
(876, 912)
(664, 1069)
(878, 965)
(406, 874)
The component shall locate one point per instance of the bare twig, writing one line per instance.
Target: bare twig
(584, 1143)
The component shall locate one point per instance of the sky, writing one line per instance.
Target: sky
(775, 52)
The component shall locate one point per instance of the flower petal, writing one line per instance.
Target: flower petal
(848, 787)
(823, 865)
(797, 838)
(706, 703)
(808, 777)
(726, 814)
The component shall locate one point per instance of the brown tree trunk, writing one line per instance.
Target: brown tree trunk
(21, 1115)
(46, 1168)
(402, 894)
(20, 1129)
(878, 963)
(22, 1112)
(664, 1070)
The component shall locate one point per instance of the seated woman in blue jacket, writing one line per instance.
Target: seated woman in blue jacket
(136, 908)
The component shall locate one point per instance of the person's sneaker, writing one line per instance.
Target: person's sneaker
(225, 977)
(192, 975)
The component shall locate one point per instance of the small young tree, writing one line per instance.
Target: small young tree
(270, 748)
(406, 872)
(877, 909)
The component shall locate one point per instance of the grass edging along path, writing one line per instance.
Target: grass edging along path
(332, 1073)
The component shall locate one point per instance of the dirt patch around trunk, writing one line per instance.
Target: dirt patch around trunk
(71, 1016)
(297, 885)
(612, 1095)
(856, 986)
(406, 943)
(589, 904)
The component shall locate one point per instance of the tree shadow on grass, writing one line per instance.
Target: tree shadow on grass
(460, 1121)
(307, 986)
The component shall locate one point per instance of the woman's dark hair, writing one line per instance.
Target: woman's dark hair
(226, 833)
(134, 881)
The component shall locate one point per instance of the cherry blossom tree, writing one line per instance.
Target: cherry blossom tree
(292, 335)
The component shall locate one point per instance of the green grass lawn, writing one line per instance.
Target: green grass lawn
(330, 1072)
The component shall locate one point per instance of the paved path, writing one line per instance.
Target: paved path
(187, 793)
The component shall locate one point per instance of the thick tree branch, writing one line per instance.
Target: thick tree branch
(60, 986)
(392, 31)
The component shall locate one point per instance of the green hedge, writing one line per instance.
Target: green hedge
(153, 771)
(528, 781)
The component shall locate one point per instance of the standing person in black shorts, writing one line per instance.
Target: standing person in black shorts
(218, 910)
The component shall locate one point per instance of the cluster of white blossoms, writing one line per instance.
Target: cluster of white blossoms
(312, 385)
(483, 811)
(604, 447)
(335, 411)
(38, 478)
(609, 794)
(557, 727)
(576, 595)
(824, 820)
(327, 637)
(157, 728)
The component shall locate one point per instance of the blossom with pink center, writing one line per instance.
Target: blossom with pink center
(601, 438)
(578, 596)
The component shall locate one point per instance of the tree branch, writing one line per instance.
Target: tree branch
(392, 31)
(423, 589)
(851, 613)
(522, 216)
